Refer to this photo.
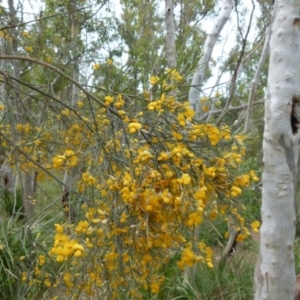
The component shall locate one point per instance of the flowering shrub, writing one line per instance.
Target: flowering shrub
(149, 176)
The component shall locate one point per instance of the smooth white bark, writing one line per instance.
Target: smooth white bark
(199, 75)
(170, 36)
(256, 80)
(275, 268)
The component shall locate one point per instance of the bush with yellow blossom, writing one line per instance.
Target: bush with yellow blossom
(149, 176)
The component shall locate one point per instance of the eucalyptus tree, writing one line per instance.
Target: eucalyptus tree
(275, 268)
(12, 97)
(141, 30)
(190, 32)
(199, 74)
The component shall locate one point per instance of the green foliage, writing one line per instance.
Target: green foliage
(12, 248)
(228, 280)
(12, 204)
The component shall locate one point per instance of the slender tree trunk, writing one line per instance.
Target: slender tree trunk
(170, 40)
(199, 75)
(27, 177)
(275, 268)
(170, 37)
(7, 179)
(256, 80)
(72, 175)
(75, 52)
(238, 66)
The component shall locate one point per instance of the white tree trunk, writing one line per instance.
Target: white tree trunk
(275, 268)
(199, 75)
(256, 80)
(170, 36)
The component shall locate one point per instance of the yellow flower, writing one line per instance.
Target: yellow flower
(235, 191)
(177, 135)
(255, 226)
(194, 219)
(154, 288)
(47, 282)
(26, 34)
(59, 228)
(108, 100)
(120, 102)
(41, 260)
(82, 227)
(186, 179)
(134, 126)
(69, 153)
(89, 179)
(60, 258)
(28, 49)
(205, 108)
(65, 112)
(125, 257)
(24, 276)
(96, 67)
(154, 80)
(241, 237)
(213, 214)
(109, 61)
(77, 246)
(253, 176)
(78, 253)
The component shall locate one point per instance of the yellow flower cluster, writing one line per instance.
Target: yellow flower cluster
(26, 34)
(154, 80)
(24, 129)
(28, 49)
(189, 258)
(134, 126)
(96, 67)
(255, 226)
(68, 159)
(173, 74)
(64, 247)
